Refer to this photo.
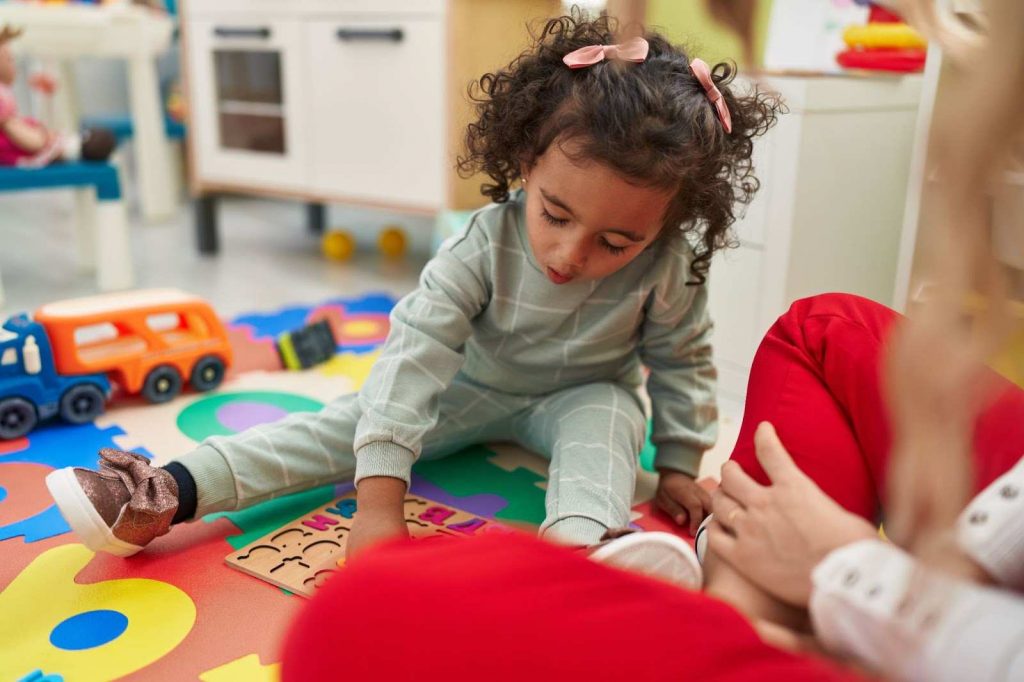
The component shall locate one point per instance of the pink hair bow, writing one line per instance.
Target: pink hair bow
(703, 73)
(633, 50)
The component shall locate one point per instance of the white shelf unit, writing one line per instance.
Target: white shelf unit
(829, 214)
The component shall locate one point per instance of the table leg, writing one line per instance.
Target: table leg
(207, 238)
(85, 226)
(114, 263)
(157, 184)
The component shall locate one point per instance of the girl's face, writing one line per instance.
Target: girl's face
(584, 221)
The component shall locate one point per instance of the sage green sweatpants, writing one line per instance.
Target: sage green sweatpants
(591, 434)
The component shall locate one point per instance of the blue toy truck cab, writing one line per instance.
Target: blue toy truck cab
(30, 388)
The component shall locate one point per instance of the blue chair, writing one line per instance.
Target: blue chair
(103, 238)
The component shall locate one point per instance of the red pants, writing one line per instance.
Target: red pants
(817, 377)
(509, 608)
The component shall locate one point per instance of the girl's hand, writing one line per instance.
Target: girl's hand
(775, 535)
(680, 497)
(371, 528)
(380, 516)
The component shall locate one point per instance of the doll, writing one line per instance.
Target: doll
(27, 143)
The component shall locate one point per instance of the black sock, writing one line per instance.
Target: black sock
(187, 498)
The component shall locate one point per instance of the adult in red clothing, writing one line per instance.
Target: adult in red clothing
(511, 605)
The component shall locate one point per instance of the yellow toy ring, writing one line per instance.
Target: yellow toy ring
(883, 35)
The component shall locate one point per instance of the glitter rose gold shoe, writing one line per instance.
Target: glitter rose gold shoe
(121, 507)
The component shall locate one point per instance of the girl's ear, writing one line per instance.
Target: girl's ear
(524, 169)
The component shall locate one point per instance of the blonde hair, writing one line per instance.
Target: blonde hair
(937, 377)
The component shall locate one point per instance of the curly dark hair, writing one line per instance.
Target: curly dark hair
(651, 122)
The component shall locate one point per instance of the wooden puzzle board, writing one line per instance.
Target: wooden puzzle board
(302, 554)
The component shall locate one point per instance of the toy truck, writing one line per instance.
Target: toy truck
(66, 359)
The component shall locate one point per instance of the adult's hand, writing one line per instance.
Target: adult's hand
(775, 535)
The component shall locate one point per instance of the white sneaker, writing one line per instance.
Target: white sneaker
(655, 554)
(700, 541)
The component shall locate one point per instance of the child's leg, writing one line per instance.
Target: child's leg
(127, 503)
(593, 435)
(307, 450)
(303, 450)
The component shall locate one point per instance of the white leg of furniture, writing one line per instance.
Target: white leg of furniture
(85, 228)
(67, 113)
(157, 190)
(114, 265)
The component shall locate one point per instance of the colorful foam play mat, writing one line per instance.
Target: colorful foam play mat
(178, 611)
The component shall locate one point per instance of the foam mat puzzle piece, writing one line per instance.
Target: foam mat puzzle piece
(257, 521)
(52, 447)
(155, 426)
(273, 324)
(356, 367)
(249, 354)
(10, 446)
(247, 668)
(236, 615)
(157, 616)
(471, 472)
(483, 504)
(23, 491)
(40, 676)
(511, 457)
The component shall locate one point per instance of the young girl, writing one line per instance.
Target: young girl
(532, 325)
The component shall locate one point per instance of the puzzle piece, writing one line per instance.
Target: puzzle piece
(40, 676)
(23, 491)
(356, 367)
(470, 472)
(247, 668)
(257, 521)
(302, 554)
(52, 447)
(9, 446)
(511, 457)
(236, 615)
(87, 632)
(355, 332)
(271, 325)
(249, 354)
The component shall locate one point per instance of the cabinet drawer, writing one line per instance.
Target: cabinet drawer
(377, 128)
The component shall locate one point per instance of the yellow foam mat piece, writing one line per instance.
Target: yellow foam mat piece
(247, 668)
(158, 615)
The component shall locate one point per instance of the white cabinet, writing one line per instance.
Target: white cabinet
(377, 124)
(829, 214)
(248, 102)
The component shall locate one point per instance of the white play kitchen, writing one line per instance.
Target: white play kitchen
(350, 101)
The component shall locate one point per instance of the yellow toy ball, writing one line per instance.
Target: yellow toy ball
(338, 245)
(391, 242)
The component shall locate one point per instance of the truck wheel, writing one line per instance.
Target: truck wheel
(17, 417)
(162, 384)
(82, 403)
(207, 373)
